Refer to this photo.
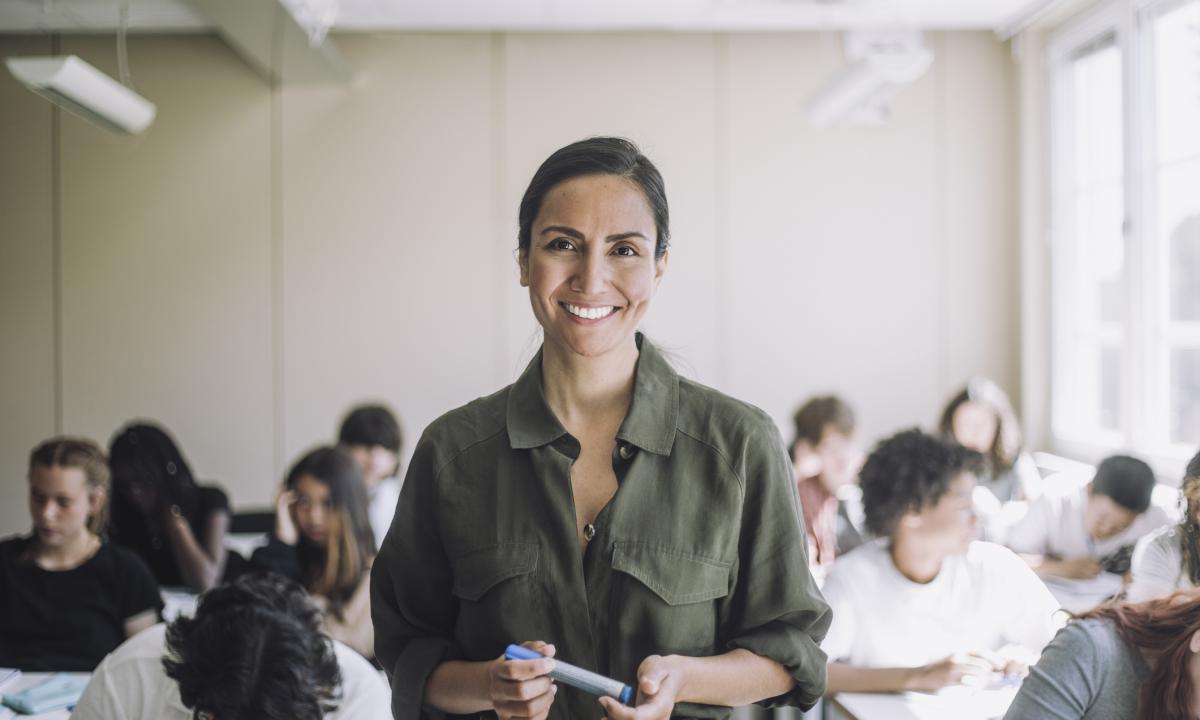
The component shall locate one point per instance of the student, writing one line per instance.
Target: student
(826, 457)
(980, 418)
(159, 512)
(646, 524)
(1076, 528)
(372, 436)
(1119, 662)
(253, 651)
(67, 597)
(1168, 559)
(925, 606)
(322, 540)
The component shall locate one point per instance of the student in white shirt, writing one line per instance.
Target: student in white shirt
(1168, 559)
(254, 651)
(1078, 528)
(371, 434)
(925, 606)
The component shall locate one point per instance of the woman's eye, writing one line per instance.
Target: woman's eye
(562, 244)
(625, 251)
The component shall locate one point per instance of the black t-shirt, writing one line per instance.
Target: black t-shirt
(69, 620)
(155, 547)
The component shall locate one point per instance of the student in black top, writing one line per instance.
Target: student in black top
(159, 512)
(67, 597)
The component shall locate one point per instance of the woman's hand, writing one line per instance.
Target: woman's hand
(954, 670)
(523, 688)
(285, 526)
(659, 681)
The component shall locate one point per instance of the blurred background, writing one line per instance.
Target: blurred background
(877, 198)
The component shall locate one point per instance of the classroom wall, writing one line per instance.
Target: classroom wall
(261, 259)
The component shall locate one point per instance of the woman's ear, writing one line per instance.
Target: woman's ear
(523, 263)
(660, 266)
(1194, 643)
(911, 520)
(96, 500)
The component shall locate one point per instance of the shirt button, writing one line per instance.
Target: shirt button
(589, 532)
(625, 451)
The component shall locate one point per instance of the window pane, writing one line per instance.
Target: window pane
(1185, 395)
(1177, 139)
(1109, 389)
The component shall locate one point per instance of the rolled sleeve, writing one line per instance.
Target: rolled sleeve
(412, 606)
(776, 609)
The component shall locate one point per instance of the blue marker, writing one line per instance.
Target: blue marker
(585, 680)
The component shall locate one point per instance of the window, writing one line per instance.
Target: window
(1125, 230)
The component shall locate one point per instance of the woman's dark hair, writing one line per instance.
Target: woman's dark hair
(818, 413)
(254, 651)
(335, 570)
(371, 426)
(1162, 631)
(907, 473)
(1006, 446)
(145, 453)
(78, 453)
(1189, 530)
(597, 156)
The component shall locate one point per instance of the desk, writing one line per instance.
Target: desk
(26, 680)
(957, 703)
(1080, 595)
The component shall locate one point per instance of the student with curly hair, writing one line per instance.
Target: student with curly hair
(67, 595)
(253, 651)
(925, 605)
(1119, 662)
(1168, 559)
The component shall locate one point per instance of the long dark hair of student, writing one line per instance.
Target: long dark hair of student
(1006, 446)
(1189, 529)
(1162, 630)
(144, 459)
(335, 571)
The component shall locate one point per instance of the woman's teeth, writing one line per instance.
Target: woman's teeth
(589, 313)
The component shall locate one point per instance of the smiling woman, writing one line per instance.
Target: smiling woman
(601, 509)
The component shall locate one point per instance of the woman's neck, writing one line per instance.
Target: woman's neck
(578, 389)
(69, 555)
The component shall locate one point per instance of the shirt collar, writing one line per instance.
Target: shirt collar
(650, 423)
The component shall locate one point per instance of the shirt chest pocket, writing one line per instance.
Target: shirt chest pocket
(498, 595)
(666, 600)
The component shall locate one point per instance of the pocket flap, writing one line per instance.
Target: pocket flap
(678, 578)
(480, 570)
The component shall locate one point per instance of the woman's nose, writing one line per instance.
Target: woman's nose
(589, 280)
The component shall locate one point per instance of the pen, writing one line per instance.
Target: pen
(585, 680)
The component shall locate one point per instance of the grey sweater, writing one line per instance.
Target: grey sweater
(1088, 672)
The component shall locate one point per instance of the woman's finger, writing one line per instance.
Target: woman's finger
(524, 669)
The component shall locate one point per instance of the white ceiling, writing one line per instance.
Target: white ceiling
(548, 15)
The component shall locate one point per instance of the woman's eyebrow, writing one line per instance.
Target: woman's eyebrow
(570, 231)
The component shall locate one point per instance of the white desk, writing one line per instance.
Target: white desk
(26, 680)
(958, 703)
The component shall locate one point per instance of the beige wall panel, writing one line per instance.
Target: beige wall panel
(27, 386)
(660, 91)
(387, 257)
(833, 249)
(166, 261)
(981, 277)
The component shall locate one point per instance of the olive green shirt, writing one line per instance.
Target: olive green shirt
(700, 551)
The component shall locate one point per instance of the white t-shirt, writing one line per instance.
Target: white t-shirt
(1157, 567)
(381, 507)
(983, 600)
(1054, 524)
(131, 684)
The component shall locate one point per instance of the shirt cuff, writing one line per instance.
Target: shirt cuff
(411, 672)
(797, 653)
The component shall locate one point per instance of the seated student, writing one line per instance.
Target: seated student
(925, 606)
(67, 597)
(253, 651)
(826, 458)
(1168, 559)
(980, 418)
(1078, 528)
(1119, 662)
(372, 436)
(323, 541)
(159, 512)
